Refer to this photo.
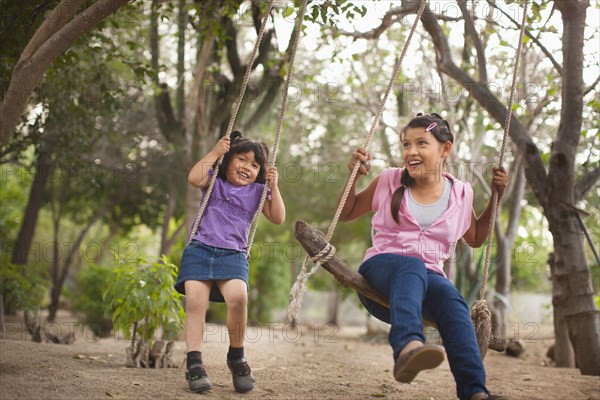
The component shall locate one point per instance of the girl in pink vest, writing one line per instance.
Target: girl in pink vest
(421, 212)
(214, 266)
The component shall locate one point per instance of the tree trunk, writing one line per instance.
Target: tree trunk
(573, 294)
(571, 279)
(564, 356)
(113, 229)
(59, 275)
(502, 288)
(36, 199)
(165, 243)
(333, 304)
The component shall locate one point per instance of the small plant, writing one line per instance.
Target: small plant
(142, 299)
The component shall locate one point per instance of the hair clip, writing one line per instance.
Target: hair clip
(431, 126)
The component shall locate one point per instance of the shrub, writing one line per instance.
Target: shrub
(141, 298)
(22, 286)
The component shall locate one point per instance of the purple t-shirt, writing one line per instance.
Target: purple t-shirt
(228, 215)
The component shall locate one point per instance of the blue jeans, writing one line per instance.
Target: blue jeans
(415, 292)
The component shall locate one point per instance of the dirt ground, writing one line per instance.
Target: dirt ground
(288, 363)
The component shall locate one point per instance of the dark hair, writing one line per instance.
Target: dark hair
(441, 133)
(242, 145)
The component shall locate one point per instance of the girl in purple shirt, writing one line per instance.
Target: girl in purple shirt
(421, 212)
(214, 266)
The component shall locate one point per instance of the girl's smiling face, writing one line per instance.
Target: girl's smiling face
(422, 154)
(242, 169)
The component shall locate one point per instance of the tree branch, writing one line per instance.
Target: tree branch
(536, 172)
(60, 15)
(270, 85)
(232, 53)
(391, 17)
(537, 110)
(27, 73)
(256, 18)
(530, 35)
(198, 97)
(470, 30)
(180, 90)
(263, 49)
(67, 263)
(591, 87)
(159, 105)
(165, 108)
(585, 183)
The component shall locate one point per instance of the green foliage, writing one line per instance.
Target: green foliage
(141, 295)
(529, 253)
(469, 289)
(12, 198)
(22, 286)
(331, 12)
(270, 261)
(91, 283)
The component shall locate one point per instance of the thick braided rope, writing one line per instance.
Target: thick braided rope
(325, 254)
(507, 122)
(234, 112)
(284, 101)
(299, 287)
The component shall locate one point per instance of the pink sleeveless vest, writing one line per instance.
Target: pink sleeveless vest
(433, 245)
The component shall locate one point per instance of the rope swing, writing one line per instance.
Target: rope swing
(480, 313)
(236, 107)
(322, 252)
(299, 287)
(284, 101)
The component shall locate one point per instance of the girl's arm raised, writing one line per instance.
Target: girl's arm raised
(478, 231)
(274, 209)
(359, 204)
(198, 176)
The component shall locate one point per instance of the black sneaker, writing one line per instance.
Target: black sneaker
(198, 379)
(243, 380)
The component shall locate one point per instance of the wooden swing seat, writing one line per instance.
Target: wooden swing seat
(313, 241)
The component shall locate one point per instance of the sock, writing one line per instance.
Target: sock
(235, 353)
(194, 357)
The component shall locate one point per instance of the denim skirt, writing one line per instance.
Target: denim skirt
(201, 262)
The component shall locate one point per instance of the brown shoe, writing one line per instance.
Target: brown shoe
(408, 365)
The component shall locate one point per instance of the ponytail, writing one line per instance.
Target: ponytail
(405, 181)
